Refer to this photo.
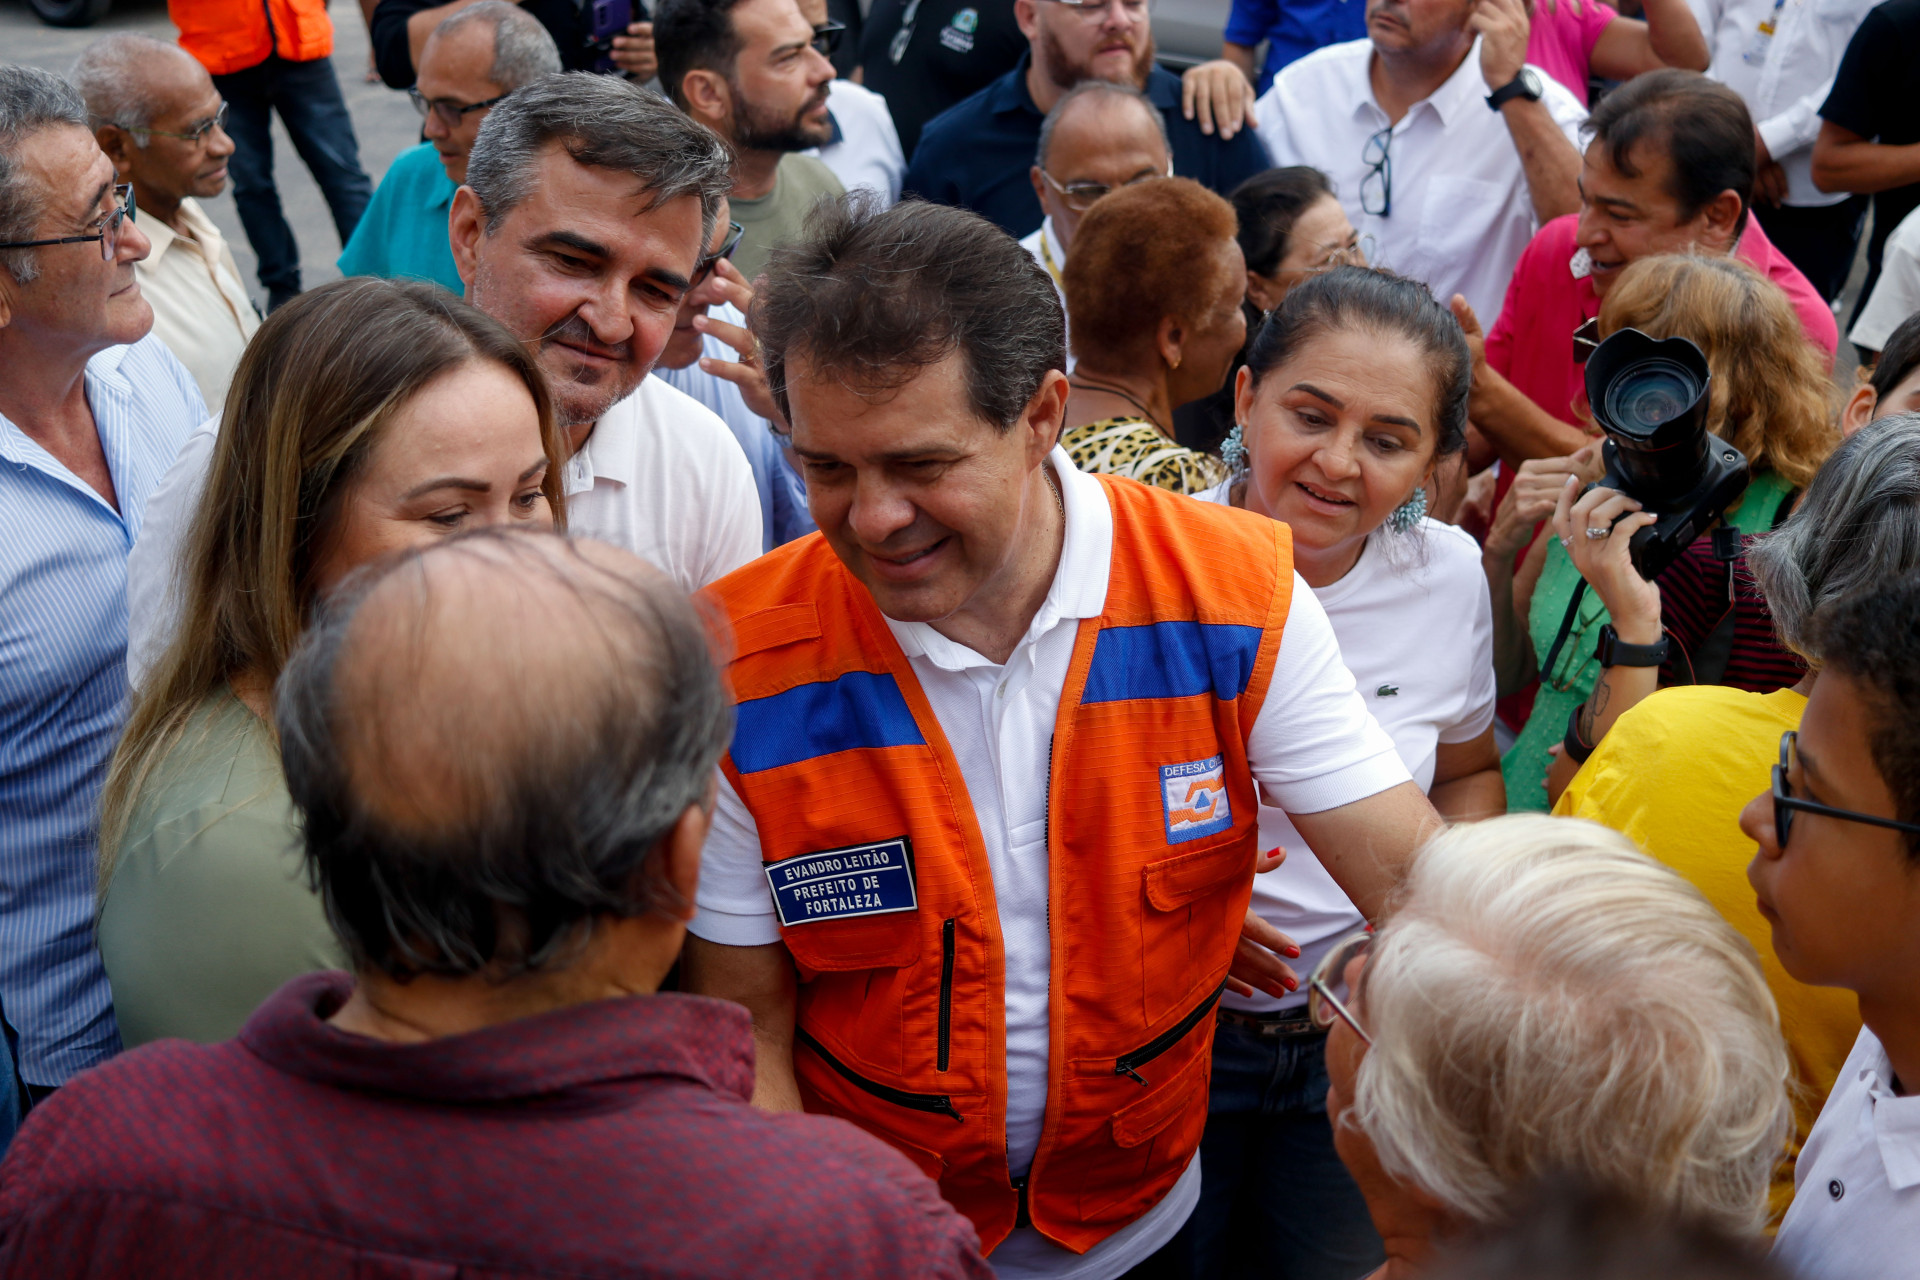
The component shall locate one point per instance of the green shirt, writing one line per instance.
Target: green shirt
(208, 911)
(403, 233)
(776, 218)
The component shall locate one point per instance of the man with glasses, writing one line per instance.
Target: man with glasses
(1837, 875)
(92, 409)
(752, 71)
(471, 61)
(978, 155)
(1442, 143)
(158, 117)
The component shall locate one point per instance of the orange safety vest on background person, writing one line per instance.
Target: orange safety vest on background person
(886, 898)
(232, 35)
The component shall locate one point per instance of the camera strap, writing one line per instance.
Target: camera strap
(1566, 629)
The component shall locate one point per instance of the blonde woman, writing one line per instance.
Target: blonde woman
(366, 416)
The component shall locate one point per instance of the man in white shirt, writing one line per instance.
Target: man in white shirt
(1446, 148)
(1838, 877)
(156, 114)
(1781, 56)
(992, 780)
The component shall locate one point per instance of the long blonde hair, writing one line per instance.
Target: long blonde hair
(310, 401)
(1772, 398)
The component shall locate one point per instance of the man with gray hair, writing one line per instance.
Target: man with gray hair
(158, 117)
(471, 61)
(92, 409)
(506, 834)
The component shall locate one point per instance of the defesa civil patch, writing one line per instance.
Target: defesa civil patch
(1194, 796)
(840, 884)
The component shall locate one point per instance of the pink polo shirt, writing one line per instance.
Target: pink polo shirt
(1561, 41)
(1532, 342)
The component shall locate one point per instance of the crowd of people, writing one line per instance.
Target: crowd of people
(899, 642)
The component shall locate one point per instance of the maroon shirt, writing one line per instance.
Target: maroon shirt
(606, 1139)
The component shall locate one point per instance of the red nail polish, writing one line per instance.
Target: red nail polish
(1291, 953)
(1290, 984)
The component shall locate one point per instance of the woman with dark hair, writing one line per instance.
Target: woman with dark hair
(1354, 391)
(1891, 385)
(366, 416)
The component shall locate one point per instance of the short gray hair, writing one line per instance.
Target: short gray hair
(1096, 88)
(604, 122)
(1858, 526)
(1544, 998)
(108, 74)
(522, 50)
(30, 100)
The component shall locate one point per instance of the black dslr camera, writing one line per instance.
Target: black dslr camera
(1650, 397)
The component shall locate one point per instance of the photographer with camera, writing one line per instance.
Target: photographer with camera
(1601, 622)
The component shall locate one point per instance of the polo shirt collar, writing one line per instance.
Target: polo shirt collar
(612, 450)
(1896, 1123)
(1009, 94)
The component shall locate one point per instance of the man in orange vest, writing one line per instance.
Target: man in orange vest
(986, 834)
(267, 56)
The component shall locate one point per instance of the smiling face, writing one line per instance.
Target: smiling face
(1624, 219)
(462, 454)
(931, 507)
(1338, 435)
(1114, 42)
(456, 68)
(587, 272)
(1102, 138)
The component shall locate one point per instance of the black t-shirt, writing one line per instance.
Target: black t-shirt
(1876, 94)
(569, 23)
(952, 49)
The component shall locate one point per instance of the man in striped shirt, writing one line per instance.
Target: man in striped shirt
(92, 411)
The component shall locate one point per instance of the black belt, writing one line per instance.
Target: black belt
(1281, 1023)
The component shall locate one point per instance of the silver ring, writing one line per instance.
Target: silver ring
(1596, 533)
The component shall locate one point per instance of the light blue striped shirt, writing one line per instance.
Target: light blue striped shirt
(63, 695)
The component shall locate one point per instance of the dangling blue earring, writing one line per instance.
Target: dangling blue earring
(1409, 513)
(1233, 451)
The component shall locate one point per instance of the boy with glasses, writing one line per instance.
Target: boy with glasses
(1838, 877)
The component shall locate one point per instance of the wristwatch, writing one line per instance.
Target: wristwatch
(1615, 652)
(1525, 85)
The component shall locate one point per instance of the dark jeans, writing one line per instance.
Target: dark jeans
(1275, 1201)
(307, 96)
(1819, 241)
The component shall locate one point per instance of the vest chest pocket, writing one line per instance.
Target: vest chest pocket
(855, 907)
(1190, 927)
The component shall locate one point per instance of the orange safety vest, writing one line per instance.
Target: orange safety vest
(232, 35)
(886, 898)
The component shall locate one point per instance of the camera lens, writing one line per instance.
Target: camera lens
(1651, 393)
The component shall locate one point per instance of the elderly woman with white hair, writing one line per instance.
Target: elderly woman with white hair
(1544, 998)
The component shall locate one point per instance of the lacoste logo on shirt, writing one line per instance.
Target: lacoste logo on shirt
(1386, 691)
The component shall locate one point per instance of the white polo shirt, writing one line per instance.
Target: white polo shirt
(1856, 1185)
(1461, 211)
(1313, 747)
(866, 153)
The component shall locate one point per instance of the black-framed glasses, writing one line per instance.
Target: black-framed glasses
(1376, 188)
(1586, 340)
(704, 268)
(450, 113)
(108, 235)
(1079, 196)
(1328, 996)
(1785, 802)
(897, 47)
(196, 135)
(826, 37)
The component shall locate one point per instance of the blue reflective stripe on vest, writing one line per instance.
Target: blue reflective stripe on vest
(1172, 660)
(860, 709)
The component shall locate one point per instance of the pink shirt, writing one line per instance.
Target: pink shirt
(1561, 41)
(1532, 342)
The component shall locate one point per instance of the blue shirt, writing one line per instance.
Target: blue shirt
(1293, 28)
(63, 695)
(977, 153)
(403, 233)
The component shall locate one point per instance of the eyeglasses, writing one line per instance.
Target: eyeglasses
(826, 37)
(897, 47)
(108, 235)
(1091, 10)
(704, 268)
(197, 134)
(1586, 340)
(1327, 993)
(450, 113)
(1079, 196)
(1785, 802)
(1376, 189)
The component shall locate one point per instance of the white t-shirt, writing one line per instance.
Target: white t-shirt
(660, 476)
(868, 152)
(1856, 1185)
(1461, 211)
(1896, 295)
(1313, 747)
(1415, 625)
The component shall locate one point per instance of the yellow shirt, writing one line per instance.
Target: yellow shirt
(1674, 773)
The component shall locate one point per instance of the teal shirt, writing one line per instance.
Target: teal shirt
(403, 233)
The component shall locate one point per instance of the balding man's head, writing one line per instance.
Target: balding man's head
(1097, 137)
(488, 740)
(156, 114)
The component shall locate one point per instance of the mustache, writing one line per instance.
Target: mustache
(576, 332)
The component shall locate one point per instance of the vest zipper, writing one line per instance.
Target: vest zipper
(1021, 1217)
(946, 994)
(1128, 1064)
(937, 1103)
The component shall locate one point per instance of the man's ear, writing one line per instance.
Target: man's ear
(1026, 16)
(1719, 220)
(466, 228)
(118, 144)
(680, 853)
(708, 98)
(1046, 413)
(1039, 186)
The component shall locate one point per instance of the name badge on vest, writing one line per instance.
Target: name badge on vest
(840, 884)
(1194, 796)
